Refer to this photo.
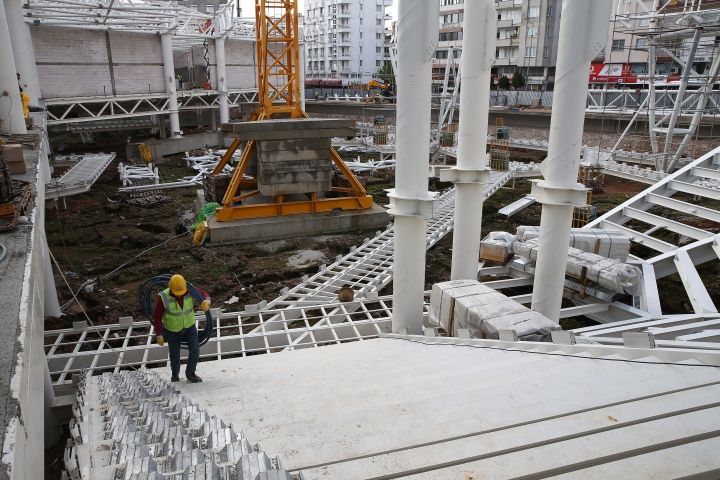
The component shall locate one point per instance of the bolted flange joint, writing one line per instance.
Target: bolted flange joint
(401, 206)
(575, 196)
(465, 175)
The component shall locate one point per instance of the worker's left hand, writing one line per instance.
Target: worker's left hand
(205, 305)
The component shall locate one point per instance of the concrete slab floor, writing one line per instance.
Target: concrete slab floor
(391, 408)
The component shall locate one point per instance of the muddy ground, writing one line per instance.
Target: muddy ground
(101, 235)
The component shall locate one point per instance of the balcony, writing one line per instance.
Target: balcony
(504, 61)
(507, 42)
(508, 23)
(505, 4)
(451, 26)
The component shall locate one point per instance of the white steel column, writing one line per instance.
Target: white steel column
(169, 64)
(302, 72)
(23, 51)
(471, 171)
(221, 73)
(11, 115)
(583, 31)
(410, 201)
(679, 99)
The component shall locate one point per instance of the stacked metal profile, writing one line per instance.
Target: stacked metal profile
(133, 425)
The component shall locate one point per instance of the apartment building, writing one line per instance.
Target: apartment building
(625, 59)
(527, 38)
(345, 39)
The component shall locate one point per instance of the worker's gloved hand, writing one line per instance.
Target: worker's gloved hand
(160, 340)
(205, 305)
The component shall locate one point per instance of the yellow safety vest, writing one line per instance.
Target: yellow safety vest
(177, 318)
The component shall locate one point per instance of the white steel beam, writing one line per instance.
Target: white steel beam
(650, 298)
(694, 189)
(694, 286)
(672, 225)
(680, 206)
(640, 238)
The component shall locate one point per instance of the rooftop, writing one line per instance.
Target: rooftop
(418, 407)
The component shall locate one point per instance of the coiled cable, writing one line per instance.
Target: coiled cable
(148, 293)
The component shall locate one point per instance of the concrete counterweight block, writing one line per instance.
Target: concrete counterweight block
(293, 155)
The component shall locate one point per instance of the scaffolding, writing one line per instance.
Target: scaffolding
(677, 99)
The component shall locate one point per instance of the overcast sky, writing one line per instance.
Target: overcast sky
(248, 8)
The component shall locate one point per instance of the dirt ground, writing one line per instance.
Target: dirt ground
(100, 231)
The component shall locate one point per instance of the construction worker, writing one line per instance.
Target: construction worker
(175, 322)
(24, 98)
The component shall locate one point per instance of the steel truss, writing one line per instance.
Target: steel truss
(686, 33)
(90, 109)
(188, 25)
(669, 221)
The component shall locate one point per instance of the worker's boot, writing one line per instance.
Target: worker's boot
(175, 378)
(194, 379)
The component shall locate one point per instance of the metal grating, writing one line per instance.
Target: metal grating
(80, 177)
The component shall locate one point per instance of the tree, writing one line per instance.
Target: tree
(504, 83)
(386, 73)
(518, 80)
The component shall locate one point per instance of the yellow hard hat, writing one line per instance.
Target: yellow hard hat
(178, 286)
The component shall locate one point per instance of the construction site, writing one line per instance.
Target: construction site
(471, 260)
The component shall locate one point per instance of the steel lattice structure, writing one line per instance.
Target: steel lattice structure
(188, 25)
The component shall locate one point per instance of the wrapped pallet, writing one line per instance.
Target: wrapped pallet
(609, 273)
(484, 312)
(497, 247)
(607, 243)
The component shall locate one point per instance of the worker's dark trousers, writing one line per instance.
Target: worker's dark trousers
(190, 336)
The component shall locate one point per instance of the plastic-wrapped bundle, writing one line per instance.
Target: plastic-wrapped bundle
(607, 243)
(497, 247)
(609, 273)
(467, 304)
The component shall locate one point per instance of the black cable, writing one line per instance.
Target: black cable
(148, 292)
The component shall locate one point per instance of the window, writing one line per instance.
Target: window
(532, 31)
(546, 52)
(530, 52)
(641, 43)
(618, 45)
(533, 12)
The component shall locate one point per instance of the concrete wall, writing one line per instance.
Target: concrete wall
(24, 381)
(84, 63)
(240, 63)
(87, 63)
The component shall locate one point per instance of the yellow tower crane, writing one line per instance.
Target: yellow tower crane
(278, 54)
